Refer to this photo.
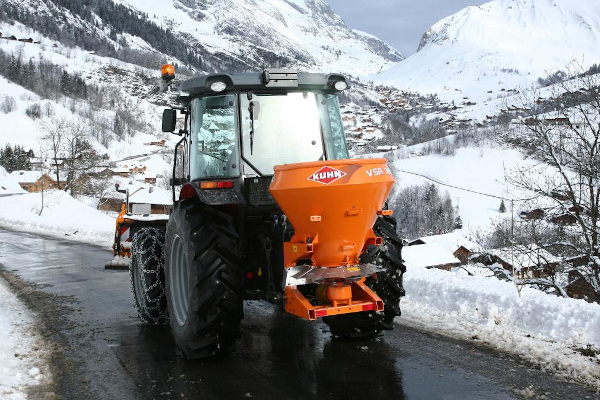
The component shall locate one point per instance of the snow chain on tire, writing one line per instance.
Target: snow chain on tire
(146, 271)
(203, 279)
(388, 287)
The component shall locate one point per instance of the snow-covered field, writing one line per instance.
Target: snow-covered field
(473, 169)
(62, 216)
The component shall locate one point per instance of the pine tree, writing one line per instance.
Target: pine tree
(458, 224)
(65, 83)
(15, 158)
(502, 208)
(22, 159)
(7, 159)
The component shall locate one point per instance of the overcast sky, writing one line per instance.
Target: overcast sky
(400, 23)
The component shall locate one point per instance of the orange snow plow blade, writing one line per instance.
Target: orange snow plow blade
(332, 206)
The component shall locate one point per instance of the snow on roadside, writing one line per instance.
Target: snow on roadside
(62, 216)
(22, 358)
(22, 362)
(546, 330)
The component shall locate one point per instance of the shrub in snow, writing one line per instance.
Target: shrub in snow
(8, 104)
(48, 109)
(34, 111)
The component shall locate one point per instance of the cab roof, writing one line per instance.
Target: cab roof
(270, 80)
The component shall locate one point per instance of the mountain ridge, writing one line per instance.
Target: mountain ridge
(207, 35)
(500, 44)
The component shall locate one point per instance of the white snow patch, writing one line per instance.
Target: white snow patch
(543, 329)
(22, 358)
(61, 216)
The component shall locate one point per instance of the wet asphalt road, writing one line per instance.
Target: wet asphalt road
(102, 352)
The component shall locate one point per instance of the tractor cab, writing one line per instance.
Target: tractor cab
(239, 126)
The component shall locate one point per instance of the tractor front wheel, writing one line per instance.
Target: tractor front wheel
(147, 275)
(203, 279)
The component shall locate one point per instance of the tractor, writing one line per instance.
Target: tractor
(267, 206)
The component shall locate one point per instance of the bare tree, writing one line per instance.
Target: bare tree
(68, 144)
(53, 129)
(8, 104)
(422, 210)
(41, 169)
(562, 132)
(99, 188)
(80, 156)
(529, 247)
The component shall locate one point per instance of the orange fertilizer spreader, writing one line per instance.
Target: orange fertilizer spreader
(332, 206)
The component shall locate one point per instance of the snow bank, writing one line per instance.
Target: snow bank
(545, 330)
(492, 302)
(22, 364)
(61, 216)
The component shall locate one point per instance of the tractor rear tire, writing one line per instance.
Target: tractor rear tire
(388, 286)
(203, 279)
(147, 275)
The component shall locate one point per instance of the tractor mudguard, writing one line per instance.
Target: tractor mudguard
(213, 197)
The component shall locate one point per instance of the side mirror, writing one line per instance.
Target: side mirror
(169, 120)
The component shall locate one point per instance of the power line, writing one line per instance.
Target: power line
(452, 186)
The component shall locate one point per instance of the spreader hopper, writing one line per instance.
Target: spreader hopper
(332, 206)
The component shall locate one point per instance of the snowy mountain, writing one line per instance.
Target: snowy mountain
(209, 35)
(93, 66)
(502, 44)
(97, 62)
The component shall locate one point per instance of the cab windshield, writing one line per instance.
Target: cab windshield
(290, 128)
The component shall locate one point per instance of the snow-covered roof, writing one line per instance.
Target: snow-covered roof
(524, 256)
(8, 184)
(155, 196)
(451, 242)
(26, 176)
(427, 255)
(387, 148)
